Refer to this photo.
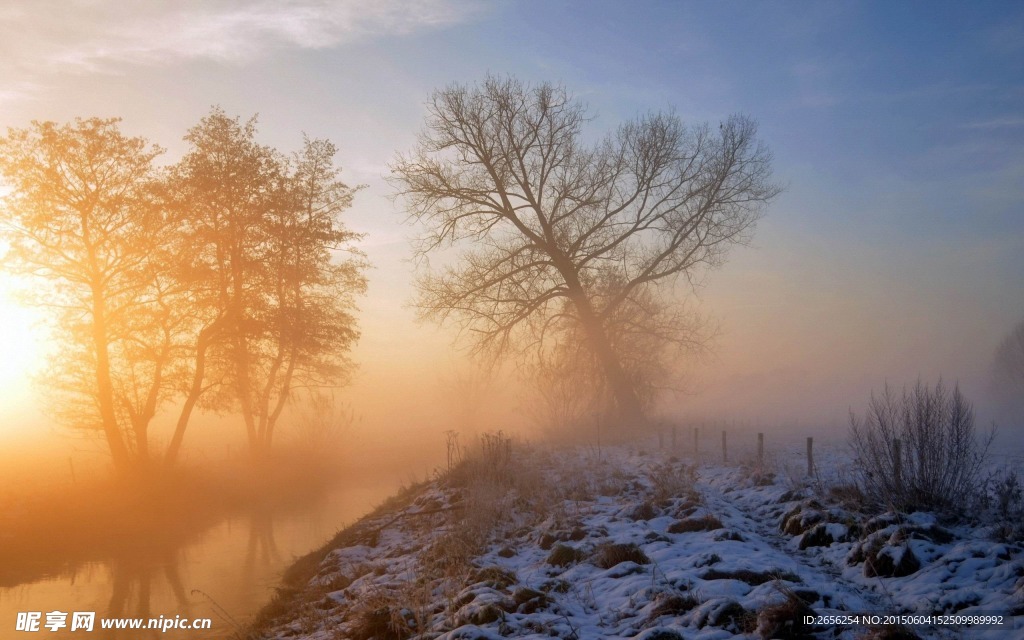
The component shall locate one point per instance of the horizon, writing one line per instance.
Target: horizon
(893, 255)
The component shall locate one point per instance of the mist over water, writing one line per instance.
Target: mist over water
(225, 571)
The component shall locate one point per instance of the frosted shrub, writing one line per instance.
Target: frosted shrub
(919, 450)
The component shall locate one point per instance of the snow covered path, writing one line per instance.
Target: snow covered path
(757, 512)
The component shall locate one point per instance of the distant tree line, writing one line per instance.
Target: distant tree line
(1008, 372)
(225, 281)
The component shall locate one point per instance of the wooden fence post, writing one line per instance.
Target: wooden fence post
(810, 456)
(661, 439)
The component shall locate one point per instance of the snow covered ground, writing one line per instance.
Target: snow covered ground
(620, 543)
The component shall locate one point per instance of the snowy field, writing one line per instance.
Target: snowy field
(626, 543)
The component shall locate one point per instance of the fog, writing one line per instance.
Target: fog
(879, 242)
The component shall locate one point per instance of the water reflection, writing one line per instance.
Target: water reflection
(262, 550)
(225, 573)
(132, 580)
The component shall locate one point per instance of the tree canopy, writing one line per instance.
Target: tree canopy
(550, 229)
(226, 280)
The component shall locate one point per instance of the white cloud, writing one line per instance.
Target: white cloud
(13, 90)
(102, 35)
(996, 123)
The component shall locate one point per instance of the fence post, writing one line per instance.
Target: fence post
(673, 438)
(725, 456)
(810, 456)
(760, 451)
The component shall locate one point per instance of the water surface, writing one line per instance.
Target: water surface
(225, 573)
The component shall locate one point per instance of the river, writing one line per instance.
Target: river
(226, 573)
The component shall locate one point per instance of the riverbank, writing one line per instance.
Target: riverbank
(527, 542)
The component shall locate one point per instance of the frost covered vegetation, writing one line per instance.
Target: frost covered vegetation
(519, 541)
(919, 450)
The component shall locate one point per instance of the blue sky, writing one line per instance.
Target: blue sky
(896, 251)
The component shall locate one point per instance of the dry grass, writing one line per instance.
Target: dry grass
(674, 604)
(495, 494)
(607, 556)
(377, 615)
(753, 578)
(562, 555)
(703, 523)
(784, 618)
(672, 480)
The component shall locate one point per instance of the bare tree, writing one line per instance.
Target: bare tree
(551, 228)
(567, 391)
(84, 216)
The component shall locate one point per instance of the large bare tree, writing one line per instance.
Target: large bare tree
(548, 227)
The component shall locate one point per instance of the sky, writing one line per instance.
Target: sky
(896, 251)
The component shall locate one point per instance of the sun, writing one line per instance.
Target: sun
(21, 349)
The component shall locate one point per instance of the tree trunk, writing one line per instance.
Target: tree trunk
(282, 399)
(141, 429)
(627, 403)
(243, 383)
(194, 392)
(119, 453)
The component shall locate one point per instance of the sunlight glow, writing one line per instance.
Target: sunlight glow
(21, 349)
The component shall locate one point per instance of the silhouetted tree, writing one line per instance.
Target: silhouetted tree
(223, 189)
(1008, 367)
(651, 338)
(265, 236)
(310, 327)
(83, 215)
(551, 228)
(229, 278)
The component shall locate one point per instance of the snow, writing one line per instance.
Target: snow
(731, 571)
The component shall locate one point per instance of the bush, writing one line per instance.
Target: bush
(919, 450)
(1002, 501)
